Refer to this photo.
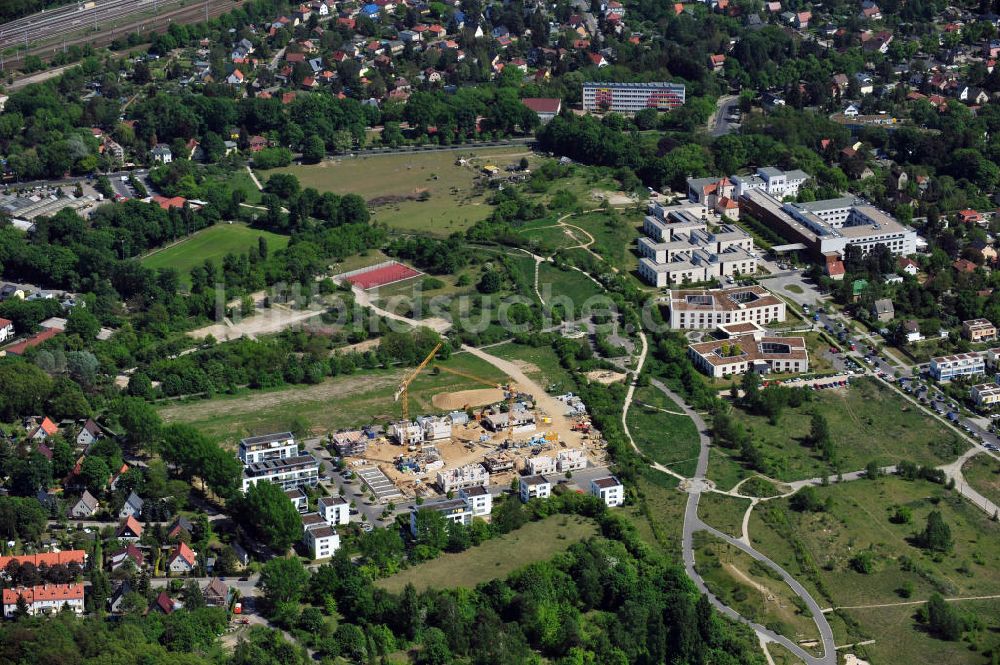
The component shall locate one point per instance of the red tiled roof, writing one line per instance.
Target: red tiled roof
(33, 341)
(164, 603)
(184, 552)
(44, 592)
(5, 322)
(130, 523)
(543, 104)
(46, 558)
(171, 202)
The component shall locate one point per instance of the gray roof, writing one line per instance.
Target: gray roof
(135, 501)
(88, 500)
(884, 306)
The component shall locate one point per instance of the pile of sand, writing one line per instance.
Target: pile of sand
(605, 376)
(463, 398)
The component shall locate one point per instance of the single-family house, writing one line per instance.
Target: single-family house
(132, 506)
(44, 430)
(908, 265)
(161, 153)
(89, 433)
(181, 560)
(122, 557)
(216, 593)
(883, 310)
(130, 530)
(6, 330)
(84, 507)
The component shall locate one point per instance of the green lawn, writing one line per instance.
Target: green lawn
(868, 422)
(670, 439)
(338, 402)
(982, 472)
(660, 514)
(211, 243)
(723, 512)
(817, 549)
(495, 558)
(540, 364)
(545, 240)
(725, 470)
(392, 184)
(555, 283)
(615, 233)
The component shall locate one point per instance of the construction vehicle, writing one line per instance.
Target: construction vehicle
(404, 388)
(509, 390)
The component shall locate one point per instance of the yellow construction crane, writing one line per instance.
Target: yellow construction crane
(510, 389)
(404, 388)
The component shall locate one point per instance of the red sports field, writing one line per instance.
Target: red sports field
(394, 272)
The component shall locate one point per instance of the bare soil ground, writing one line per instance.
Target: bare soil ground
(465, 398)
(264, 322)
(605, 376)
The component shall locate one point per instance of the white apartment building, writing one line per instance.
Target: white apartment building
(457, 511)
(571, 459)
(334, 510)
(629, 98)
(471, 475)
(540, 465)
(44, 599)
(298, 499)
(268, 447)
(478, 499)
(769, 179)
(534, 487)
(321, 539)
(946, 368)
(609, 490)
(748, 353)
(986, 394)
(286, 473)
(406, 432)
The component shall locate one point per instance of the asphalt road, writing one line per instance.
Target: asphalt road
(693, 524)
(721, 125)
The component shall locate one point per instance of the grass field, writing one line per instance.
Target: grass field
(211, 243)
(614, 235)
(723, 512)
(670, 439)
(392, 184)
(817, 549)
(752, 589)
(496, 558)
(546, 239)
(983, 474)
(660, 515)
(539, 363)
(555, 283)
(725, 470)
(782, 656)
(338, 402)
(868, 422)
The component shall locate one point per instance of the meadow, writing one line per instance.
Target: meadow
(667, 438)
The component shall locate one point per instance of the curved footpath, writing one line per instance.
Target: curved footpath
(693, 524)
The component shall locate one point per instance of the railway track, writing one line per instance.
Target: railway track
(46, 33)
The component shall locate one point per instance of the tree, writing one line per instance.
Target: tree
(83, 367)
(81, 322)
(266, 512)
(139, 420)
(283, 579)
(942, 620)
(490, 282)
(435, 651)
(936, 535)
(819, 431)
(314, 150)
(139, 385)
(94, 473)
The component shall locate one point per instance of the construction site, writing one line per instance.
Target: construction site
(483, 436)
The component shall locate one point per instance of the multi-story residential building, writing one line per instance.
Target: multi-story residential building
(298, 499)
(334, 509)
(453, 510)
(540, 465)
(350, 444)
(64, 558)
(946, 368)
(629, 98)
(679, 247)
(479, 500)
(267, 447)
(979, 330)
(706, 309)
(534, 487)
(300, 471)
(986, 394)
(828, 227)
(321, 539)
(435, 428)
(44, 599)
(471, 475)
(571, 459)
(609, 490)
(748, 353)
(406, 432)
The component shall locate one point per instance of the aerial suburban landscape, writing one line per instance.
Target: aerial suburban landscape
(499, 332)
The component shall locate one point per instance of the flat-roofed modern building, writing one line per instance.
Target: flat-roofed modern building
(632, 97)
(979, 330)
(534, 487)
(287, 473)
(737, 355)
(829, 226)
(268, 447)
(707, 309)
(680, 247)
(946, 368)
(454, 510)
(986, 394)
(609, 490)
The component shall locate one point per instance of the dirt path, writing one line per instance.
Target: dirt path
(910, 602)
(548, 404)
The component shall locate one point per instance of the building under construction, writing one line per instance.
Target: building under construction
(472, 475)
